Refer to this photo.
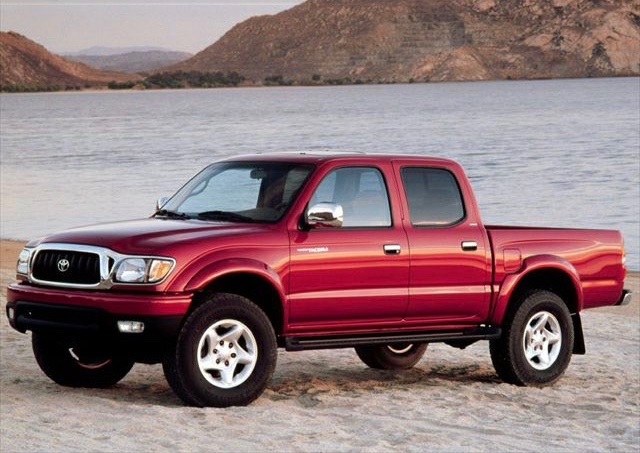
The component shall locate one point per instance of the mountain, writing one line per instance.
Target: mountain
(28, 66)
(435, 40)
(132, 61)
(105, 51)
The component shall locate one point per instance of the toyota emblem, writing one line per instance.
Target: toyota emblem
(63, 265)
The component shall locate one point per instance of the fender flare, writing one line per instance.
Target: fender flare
(218, 269)
(532, 264)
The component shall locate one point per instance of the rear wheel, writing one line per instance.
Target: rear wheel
(392, 356)
(225, 353)
(537, 341)
(76, 363)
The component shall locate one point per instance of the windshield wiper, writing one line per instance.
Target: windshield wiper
(225, 216)
(171, 214)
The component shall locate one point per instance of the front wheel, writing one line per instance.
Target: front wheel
(537, 341)
(225, 354)
(78, 363)
(392, 356)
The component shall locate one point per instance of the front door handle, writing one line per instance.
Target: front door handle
(392, 249)
(469, 246)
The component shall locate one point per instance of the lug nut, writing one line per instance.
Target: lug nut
(221, 343)
(233, 356)
(231, 345)
(226, 363)
(217, 360)
(215, 351)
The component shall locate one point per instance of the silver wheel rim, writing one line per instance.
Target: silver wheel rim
(398, 349)
(227, 353)
(542, 340)
(88, 365)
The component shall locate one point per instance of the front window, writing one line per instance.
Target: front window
(361, 192)
(239, 191)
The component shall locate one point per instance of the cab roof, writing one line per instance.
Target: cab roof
(317, 157)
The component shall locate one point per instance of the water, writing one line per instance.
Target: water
(548, 153)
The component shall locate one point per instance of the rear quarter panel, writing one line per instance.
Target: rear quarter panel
(595, 255)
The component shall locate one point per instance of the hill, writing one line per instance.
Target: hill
(104, 51)
(132, 62)
(435, 40)
(28, 66)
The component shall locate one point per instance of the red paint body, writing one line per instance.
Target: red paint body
(351, 285)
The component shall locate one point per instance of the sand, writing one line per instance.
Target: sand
(328, 401)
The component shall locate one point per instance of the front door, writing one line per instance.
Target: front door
(356, 276)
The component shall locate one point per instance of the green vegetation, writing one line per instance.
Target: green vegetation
(192, 79)
(121, 86)
(277, 80)
(20, 88)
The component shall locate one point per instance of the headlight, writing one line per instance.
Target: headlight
(23, 262)
(142, 270)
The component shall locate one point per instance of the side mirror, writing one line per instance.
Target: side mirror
(324, 215)
(161, 202)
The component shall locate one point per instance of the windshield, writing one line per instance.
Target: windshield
(239, 192)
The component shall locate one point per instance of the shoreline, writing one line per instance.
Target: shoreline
(105, 89)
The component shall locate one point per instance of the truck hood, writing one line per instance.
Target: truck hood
(152, 235)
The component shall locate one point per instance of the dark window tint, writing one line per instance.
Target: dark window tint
(362, 194)
(433, 195)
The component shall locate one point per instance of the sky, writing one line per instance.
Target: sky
(71, 25)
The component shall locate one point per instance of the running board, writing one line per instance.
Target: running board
(466, 336)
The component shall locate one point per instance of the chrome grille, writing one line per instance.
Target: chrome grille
(81, 267)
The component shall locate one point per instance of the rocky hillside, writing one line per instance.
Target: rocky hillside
(28, 66)
(435, 40)
(132, 61)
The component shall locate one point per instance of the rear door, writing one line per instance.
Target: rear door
(356, 276)
(450, 268)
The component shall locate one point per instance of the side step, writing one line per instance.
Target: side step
(465, 337)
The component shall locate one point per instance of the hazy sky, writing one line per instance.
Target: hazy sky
(70, 25)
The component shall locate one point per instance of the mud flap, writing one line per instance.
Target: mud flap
(578, 337)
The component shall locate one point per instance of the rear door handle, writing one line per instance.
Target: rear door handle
(469, 246)
(392, 249)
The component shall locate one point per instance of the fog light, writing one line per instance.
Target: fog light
(130, 326)
(11, 313)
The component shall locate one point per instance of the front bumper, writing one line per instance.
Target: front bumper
(625, 299)
(112, 302)
(95, 314)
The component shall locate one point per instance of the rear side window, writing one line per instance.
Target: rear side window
(361, 192)
(433, 195)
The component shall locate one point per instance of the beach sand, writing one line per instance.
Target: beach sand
(329, 401)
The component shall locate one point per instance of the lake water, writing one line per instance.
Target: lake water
(548, 153)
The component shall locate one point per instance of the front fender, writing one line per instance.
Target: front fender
(531, 264)
(218, 269)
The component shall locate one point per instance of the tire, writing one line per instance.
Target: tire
(78, 363)
(537, 341)
(225, 354)
(393, 356)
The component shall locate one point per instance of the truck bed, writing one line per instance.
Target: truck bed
(596, 255)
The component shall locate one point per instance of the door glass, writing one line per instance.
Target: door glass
(433, 195)
(361, 192)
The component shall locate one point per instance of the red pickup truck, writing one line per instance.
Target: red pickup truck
(382, 253)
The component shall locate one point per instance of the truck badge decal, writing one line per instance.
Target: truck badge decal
(63, 265)
(313, 249)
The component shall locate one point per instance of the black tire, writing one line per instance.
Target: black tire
(395, 356)
(78, 363)
(227, 378)
(508, 353)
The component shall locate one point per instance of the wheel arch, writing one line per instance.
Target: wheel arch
(247, 278)
(547, 272)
